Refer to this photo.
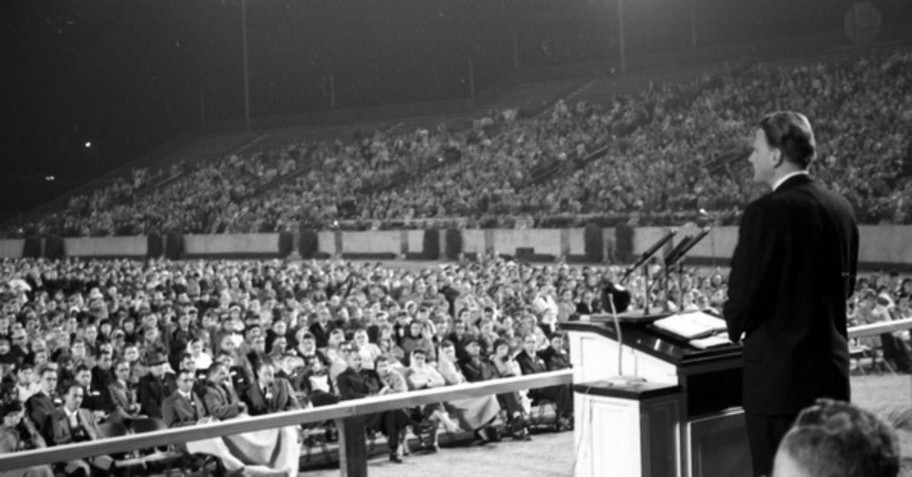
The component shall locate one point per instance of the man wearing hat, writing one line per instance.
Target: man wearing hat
(153, 387)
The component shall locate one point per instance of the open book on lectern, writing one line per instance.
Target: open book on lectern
(691, 325)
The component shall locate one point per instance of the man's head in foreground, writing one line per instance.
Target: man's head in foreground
(836, 439)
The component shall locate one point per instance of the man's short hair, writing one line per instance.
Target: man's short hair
(791, 133)
(836, 438)
(213, 368)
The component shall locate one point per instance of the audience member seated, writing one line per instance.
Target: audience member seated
(269, 394)
(531, 363)
(219, 396)
(153, 387)
(474, 414)
(354, 385)
(184, 407)
(122, 394)
(422, 375)
(71, 423)
(41, 405)
(16, 434)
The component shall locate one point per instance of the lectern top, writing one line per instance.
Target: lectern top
(647, 338)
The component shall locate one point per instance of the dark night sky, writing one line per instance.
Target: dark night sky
(127, 75)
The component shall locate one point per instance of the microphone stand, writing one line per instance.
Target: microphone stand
(676, 257)
(642, 262)
(669, 262)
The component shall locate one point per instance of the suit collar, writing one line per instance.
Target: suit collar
(791, 180)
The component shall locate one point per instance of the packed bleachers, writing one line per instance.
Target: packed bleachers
(659, 154)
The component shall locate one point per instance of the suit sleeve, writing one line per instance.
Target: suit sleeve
(292, 402)
(148, 403)
(169, 417)
(749, 268)
(216, 407)
(347, 387)
(525, 363)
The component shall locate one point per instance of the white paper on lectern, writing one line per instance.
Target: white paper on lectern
(691, 325)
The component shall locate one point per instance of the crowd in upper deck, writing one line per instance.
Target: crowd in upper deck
(670, 148)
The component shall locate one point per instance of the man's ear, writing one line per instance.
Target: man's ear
(777, 158)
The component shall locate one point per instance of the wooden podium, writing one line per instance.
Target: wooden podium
(685, 420)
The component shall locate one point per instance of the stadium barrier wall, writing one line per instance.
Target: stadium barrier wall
(137, 246)
(231, 245)
(881, 247)
(12, 248)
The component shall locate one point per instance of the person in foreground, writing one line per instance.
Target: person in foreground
(836, 439)
(791, 274)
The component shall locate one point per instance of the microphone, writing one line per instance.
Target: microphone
(648, 253)
(688, 243)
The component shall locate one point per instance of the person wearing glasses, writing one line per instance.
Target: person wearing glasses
(184, 407)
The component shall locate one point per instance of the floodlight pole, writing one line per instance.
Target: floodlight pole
(621, 46)
(246, 83)
(693, 23)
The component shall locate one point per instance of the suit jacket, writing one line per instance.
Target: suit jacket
(63, 433)
(280, 397)
(121, 397)
(554, 359)
(177, 411)
(39, 408)
(792, 272)
(152, 392)
(221, 402)
(353, 385)
(477, 369)
(531, 364)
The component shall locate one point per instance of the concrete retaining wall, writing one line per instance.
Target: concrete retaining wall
(106, 246)
(250, 244)
(881, 246)
(11, 248)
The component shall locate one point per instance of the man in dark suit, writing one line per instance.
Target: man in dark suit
(183, 407)
(73, 423)
(153, 389)
(792, 272)
(43, 403)
(531, 363)
(221, 400)
(270, 394)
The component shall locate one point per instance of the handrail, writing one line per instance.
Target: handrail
(874, 329)
(342, 410)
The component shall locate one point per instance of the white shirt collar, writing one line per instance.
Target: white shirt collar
(787, 177)
(70, 413)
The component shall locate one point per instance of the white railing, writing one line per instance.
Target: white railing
(341, 411)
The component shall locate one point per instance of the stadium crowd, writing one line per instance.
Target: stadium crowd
(86, 343)
(667, 149)
(89, 342)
